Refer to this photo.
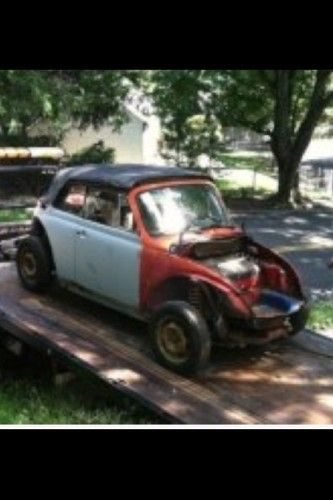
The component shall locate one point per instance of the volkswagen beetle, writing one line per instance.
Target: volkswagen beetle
(157, 243)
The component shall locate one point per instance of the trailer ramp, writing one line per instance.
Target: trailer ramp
(286, 382)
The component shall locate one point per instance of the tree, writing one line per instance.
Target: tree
(189, 129)
(96, 153)
(29, 97)
(285, 105)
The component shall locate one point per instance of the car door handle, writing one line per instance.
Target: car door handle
(81, 232)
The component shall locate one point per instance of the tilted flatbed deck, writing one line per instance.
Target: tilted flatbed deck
(286, 382)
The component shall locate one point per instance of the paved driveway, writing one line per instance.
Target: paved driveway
(305, 238)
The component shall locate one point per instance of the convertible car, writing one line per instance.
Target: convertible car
(157, 243)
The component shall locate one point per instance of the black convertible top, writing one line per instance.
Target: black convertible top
(123, 177)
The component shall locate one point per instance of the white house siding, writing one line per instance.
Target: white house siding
(150, 142)
(128, 143)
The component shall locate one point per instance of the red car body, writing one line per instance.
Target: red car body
(167, 275)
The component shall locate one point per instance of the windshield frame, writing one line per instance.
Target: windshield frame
(176, 183)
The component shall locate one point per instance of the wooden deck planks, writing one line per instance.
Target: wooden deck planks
(288, 382)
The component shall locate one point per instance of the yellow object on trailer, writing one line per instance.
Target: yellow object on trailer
(19, 153)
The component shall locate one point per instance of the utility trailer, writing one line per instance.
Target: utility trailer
(285, 382)
(23, 163)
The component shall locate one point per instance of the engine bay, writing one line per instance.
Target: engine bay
(235, 267)
(229, 257)
(238, 260)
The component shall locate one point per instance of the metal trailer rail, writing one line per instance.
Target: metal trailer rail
(287, 382)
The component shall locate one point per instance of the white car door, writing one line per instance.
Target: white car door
(62, 222)
(107, 256)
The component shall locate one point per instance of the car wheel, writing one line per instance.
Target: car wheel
(180, 337)
(33, 263)
(298, 321)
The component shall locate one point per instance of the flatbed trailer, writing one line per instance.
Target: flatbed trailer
(286, 382)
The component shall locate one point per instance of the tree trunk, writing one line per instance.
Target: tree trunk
(287, 177)
(289, 145)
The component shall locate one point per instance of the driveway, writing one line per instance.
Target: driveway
(305, 238)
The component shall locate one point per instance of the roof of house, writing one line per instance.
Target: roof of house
(123, 177)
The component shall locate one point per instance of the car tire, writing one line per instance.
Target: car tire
(180, 338)
(299, 320)
(34, 264)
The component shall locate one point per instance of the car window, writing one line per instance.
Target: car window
(99, 204)
(102, 205)
(109, 207)
(72, 199)
(173, 209)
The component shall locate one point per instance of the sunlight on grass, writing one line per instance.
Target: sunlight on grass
(14, 215)
(231, 190)
(258, 163)
(321, 315)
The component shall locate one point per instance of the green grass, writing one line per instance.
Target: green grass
(231, 191)
(28, 396)
(16, 215)
(321, 315)
(258, 163)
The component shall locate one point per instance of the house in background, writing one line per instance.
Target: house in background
(136, 142)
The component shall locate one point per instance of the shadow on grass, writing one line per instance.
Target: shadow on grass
(242, 198)
(28, 396)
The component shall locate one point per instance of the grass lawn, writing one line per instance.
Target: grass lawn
(258, 163)
(231, 190)
(244, 198)
(17, 215)
(28, 396)
(321, 316)
(247, 177)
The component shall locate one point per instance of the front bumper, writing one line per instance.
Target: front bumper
(294, 320)
(261, 330)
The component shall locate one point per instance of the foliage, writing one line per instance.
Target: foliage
(57, 97)
(17, 140)
(96, 153)
(321, 315)
(16, 215)
(285, 105)
(189, 130)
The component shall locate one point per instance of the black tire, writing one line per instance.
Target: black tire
(298, 321)
(184, 318)
(34, 264)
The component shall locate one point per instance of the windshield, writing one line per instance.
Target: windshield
(174, 209)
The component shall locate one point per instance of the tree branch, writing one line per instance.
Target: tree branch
(318, 102)
(328, 99)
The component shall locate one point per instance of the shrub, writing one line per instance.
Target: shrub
(96, 153)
